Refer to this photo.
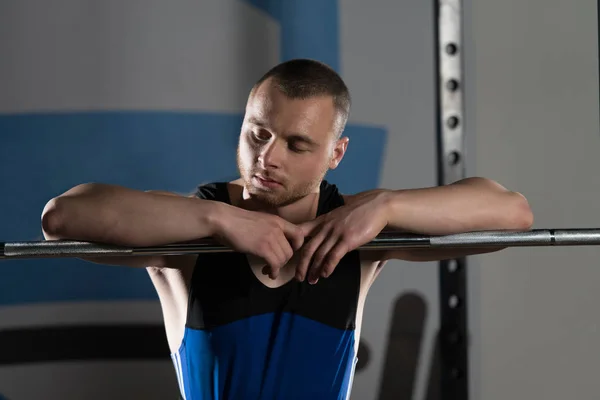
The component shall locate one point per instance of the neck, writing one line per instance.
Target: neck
(301, 210)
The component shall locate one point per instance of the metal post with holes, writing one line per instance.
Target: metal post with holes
(453, 345)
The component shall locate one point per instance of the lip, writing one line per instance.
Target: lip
(266, 182)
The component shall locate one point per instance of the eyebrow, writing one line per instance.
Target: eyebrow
(256, 122)
(292, 136)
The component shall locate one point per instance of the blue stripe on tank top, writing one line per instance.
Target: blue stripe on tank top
(268, 356)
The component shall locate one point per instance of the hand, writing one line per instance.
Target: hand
(266, 236)
(340, 231)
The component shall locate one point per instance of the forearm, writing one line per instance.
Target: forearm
(123, 216)
(470, 205)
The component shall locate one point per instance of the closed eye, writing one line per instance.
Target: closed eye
(298, 149)
(260, 135)
(301, 144)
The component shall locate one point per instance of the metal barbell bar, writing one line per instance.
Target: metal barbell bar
(384, 241)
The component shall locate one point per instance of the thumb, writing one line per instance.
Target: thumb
(308, 227)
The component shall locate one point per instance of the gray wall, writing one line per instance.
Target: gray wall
(533, 112)
(390, 68)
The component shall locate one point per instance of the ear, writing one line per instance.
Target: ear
(339, 150)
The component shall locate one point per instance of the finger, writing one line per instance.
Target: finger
(294, 234)
(271, 261)
(314, 270)
(308, 227)
(273, 255)
(307, 254)
(287, 252)
(281, 253)
(333, 258)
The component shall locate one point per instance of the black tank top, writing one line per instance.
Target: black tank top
(244, 340)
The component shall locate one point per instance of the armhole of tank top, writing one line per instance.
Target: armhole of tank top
(331, 198)
(218, 192)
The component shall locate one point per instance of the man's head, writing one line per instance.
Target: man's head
(291, 135)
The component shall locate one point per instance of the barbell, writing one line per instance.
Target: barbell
(383, 241)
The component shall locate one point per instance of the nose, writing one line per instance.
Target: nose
(272, 155)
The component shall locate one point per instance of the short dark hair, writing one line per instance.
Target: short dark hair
(305, 78)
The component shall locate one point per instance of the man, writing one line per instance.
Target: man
(280, 317)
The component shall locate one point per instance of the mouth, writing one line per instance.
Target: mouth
(266, 182)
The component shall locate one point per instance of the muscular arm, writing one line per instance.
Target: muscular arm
(472, 204)
(122, 216)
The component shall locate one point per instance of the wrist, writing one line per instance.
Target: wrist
(390, 205)
(212, 217)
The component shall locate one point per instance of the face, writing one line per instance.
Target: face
(287, 145)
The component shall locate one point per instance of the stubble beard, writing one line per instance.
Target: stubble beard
(280, 198)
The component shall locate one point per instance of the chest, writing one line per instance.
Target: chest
(231, 287)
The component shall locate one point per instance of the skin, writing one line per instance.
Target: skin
(289, 141)
(294, 142)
